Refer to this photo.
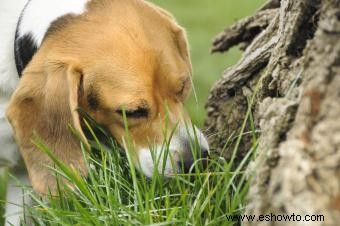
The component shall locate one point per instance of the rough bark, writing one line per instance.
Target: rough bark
(291, 62)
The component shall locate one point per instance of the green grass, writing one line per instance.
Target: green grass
(115, 193)
(203, 20)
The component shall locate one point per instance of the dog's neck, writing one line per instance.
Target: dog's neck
(35, 20)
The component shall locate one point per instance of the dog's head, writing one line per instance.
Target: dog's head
(119, 58)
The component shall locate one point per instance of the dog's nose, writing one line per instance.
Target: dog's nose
(205, 153)
(189, 160)
(205, 156)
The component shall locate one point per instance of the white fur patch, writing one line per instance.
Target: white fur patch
(156, 158)
(10, 11)
(39, 14)
(148, 161)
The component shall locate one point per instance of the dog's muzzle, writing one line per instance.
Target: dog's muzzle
(186, 147)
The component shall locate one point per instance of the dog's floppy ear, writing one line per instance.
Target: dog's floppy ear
(46, 103)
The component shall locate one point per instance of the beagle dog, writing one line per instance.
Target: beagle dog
(105, 57)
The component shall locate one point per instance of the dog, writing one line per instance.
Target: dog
(111, 58)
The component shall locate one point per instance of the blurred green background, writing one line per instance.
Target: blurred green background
(203, 20)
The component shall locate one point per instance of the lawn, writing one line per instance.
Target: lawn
(203, 19)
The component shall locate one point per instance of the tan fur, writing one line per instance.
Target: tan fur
(128, 52)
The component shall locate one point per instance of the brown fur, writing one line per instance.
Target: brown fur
(119, 53)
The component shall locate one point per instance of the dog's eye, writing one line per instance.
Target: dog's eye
(139, 113)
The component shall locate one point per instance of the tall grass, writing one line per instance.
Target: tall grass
(115, 193)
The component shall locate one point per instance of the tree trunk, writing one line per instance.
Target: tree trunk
(291, 66)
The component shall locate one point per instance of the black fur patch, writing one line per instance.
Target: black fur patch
(24, 49)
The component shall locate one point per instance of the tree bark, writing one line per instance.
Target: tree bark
(291, 65)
